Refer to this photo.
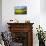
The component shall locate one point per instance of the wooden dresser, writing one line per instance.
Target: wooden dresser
(22, 33)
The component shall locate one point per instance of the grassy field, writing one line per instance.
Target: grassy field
(20, 11)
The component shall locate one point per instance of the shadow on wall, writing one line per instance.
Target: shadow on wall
(0, 14)
(43, 6)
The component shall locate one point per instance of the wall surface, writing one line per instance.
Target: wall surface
(43, 14)
(43, 6)
(34, 14)
(33, 11)
(0, 15)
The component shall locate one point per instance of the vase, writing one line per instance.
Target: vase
(41, 43)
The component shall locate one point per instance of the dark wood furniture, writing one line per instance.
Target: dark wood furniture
(22, 33)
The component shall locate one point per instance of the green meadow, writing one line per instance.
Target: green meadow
(20, 11)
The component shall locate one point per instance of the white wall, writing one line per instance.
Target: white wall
(43, 14)
(8, 10)
(43, 6)
(0, 15)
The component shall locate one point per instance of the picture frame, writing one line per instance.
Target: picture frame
(20, 10)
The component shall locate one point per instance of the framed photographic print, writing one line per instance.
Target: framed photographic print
(20, 10)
